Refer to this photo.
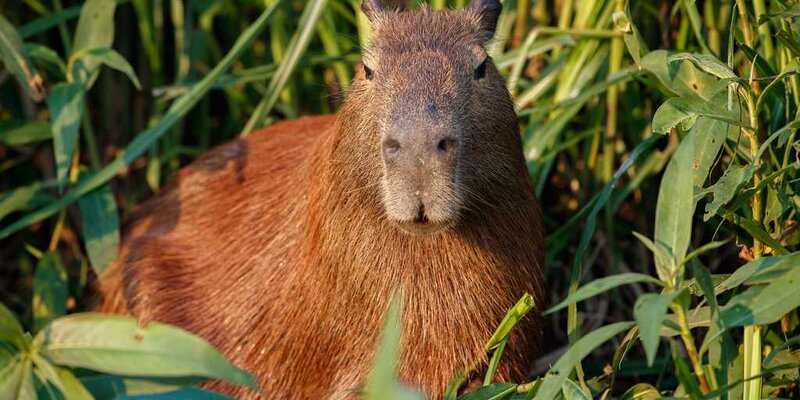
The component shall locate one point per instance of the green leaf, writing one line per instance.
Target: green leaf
(514, 315)
(85, 64)
(495, 391)
(42, 53)
(66, 104)
(675, 207)
(682, 112)
(649, 313)
(297, 45)
(49, 290)
(149, 136)
(563, 367)
(16, 132)
(707, 63)
(120, 345)
(666, 263)
(95, 30)
(725, 189)
(47, 372)
(48, 21)
(754, 267)
(709, 135)
(13, 55)
(183, 394)
(16, 379)
(684, 374)
(571, 391)
(679, 78)
(23, 198)
(763, 304)
(630, 35)
(73, 389)
(100, 227)
(10, 328)
(381, 383)
(705, 282)
(601, 285)
(103, 386)
(641, 391)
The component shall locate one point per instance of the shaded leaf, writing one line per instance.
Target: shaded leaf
(49, 290)
(763, 304)
(10, 328)
(100, 227)
(649, 312)
(66, 104)
(85, 64)
(13, 55)
(641, 391)
(725, 188)
(16, 132)
(95, 30)
(103, 386)
(183, 394)
(682, 112)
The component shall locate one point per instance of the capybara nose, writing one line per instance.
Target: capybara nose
(433, 149)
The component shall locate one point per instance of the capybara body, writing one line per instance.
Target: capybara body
(283, 248)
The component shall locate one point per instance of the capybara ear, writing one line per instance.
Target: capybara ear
(488, 11)
(373, 9)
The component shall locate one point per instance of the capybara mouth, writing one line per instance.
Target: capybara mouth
(421, 227)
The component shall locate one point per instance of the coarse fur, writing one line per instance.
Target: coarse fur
(278, 247)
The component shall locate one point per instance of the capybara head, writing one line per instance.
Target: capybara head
(436, 107)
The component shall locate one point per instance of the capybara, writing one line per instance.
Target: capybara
(283, 248)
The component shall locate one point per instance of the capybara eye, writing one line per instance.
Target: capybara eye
(480, 72)
(368, 72)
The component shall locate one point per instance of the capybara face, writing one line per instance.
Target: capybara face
(425, 73)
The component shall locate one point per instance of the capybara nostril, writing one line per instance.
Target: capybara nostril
(391, 148)
(446, 145)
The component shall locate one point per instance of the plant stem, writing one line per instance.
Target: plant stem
(612, 103)
(691, 350)
(763, 31)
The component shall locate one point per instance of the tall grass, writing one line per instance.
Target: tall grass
(660, 137)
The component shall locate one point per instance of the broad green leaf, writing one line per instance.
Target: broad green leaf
(16, 379)
(120, 345)
(73, 389)
(571, 391)
(763, 304)
(95, 30)
(66, 104)
(15, 59)
(49, 290)
(23, 198)
(514, 315)
(103, 386)
(601, 285)
(679, 78)
(709, 135)
(10, 328)
(496, 391)
(725, 189)
(47, 373)
(577, 351)
(683, 112)
(149, 136)
(85, 63)
(675, 206)
(751, 269)
(756, 230)
(649, 312)
(100, 227)
(16, 133)
(190, 393)
(707, 63)
(641, 391)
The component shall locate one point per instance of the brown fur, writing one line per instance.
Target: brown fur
(277, 249)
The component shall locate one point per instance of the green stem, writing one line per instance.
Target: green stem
(764, 32)
(612, 103)
(691, 350)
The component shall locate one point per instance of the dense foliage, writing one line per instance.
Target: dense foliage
(660, 135)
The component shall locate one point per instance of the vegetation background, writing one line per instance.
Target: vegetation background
(660, 135)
